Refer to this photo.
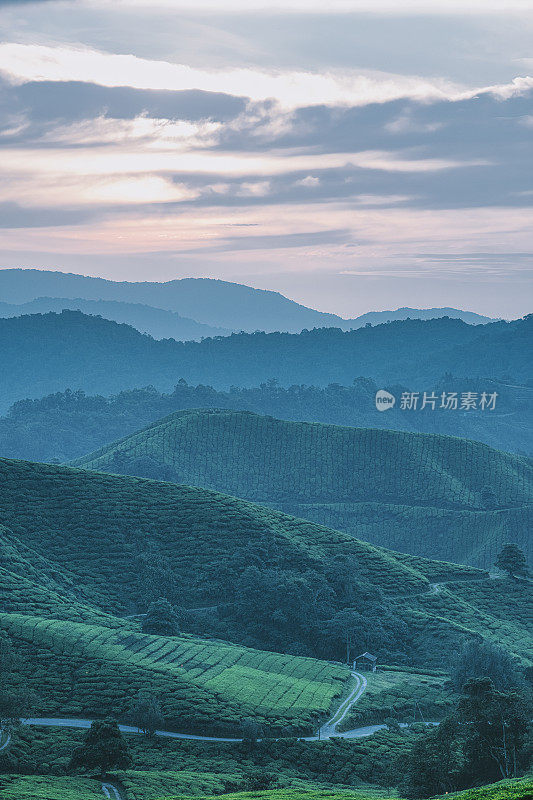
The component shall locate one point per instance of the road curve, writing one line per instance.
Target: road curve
(6, 742)
(111, 791)
(329, 729)
(326, 731)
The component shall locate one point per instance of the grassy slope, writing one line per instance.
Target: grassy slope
(70, 568)
(91, 526)
(404, 696)
(417, 493)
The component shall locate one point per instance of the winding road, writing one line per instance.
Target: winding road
(327, 730)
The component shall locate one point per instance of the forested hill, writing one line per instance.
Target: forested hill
(46, 353)
(157, 322)
(436, 496)
(68, 425)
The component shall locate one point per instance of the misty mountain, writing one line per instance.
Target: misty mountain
(45, 353)
(211, 302)
(157, 322)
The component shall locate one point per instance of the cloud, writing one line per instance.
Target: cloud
(278, 241)
(23, 63)
(309, 181)
(24, 2)
(333, 7)
(50, 100)
(14, 216)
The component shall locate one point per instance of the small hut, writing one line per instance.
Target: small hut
(366, 662)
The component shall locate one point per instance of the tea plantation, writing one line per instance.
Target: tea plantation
(91, 547)
(431, 495)
(205, 687)
(30, 787)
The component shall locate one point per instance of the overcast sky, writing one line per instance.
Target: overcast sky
(375, 156)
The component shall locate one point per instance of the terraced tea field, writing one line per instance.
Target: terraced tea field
(205, 686)
(142, 786)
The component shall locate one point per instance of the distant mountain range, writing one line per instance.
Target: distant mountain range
(217, 307)
(157, 322)
(45, 353)
(434, 496)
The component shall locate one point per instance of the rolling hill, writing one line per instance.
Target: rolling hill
(83, 553)
(212, 302)
(90, 548)
(435, 496)
(47, 353)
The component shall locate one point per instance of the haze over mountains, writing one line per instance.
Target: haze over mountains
(157, 322)
(48, 353)
(220, 306)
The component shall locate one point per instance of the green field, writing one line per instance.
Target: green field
(92, 548)
(430, 495)
(206, 687)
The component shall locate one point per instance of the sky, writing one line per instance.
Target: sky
(372, 156)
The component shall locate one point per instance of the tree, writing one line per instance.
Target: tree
(146, 713)
(495, 725)
(154, 569)
(488, 497)
(482, 741)
(485, 660)
(103, 748)
(15, 700)
(434, 764)
(161, 619)
(513, 561)
(251, 730)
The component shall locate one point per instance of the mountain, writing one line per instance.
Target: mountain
(216, 303)
(379, 317)
(158, 323)
(435, 496)
(47, 353)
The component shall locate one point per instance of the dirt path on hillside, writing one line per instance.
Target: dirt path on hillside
(111, 791)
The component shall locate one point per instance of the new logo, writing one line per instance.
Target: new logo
(384, 400)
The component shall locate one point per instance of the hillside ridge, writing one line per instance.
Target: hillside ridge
(392, 488)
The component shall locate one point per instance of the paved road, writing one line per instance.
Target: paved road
(111, 791)
(86, 723)
(326, 731)
(5, 742)
(330, 727)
